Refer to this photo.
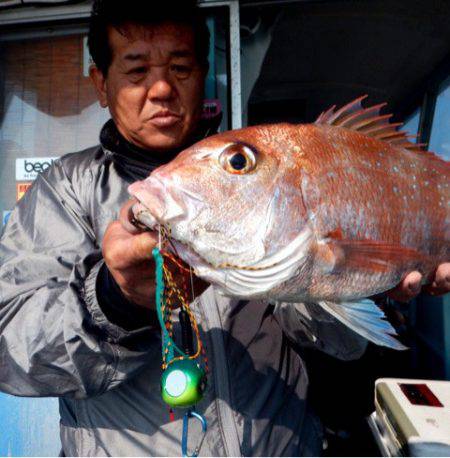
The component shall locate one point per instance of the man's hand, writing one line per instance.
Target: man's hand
(411, 285)
(127, 252)
(129, 259)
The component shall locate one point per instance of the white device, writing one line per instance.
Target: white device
(412, 417)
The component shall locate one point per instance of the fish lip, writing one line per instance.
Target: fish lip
(161, 199)
(198, 258)
(137, 210)
(178, 190)
(174, 245)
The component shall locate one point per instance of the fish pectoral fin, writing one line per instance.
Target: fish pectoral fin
(366, 319)
(367, 255)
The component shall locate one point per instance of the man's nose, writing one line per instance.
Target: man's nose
(161, 88)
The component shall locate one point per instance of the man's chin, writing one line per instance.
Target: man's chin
(160, 143)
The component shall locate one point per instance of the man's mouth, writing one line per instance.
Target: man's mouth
(165, 119)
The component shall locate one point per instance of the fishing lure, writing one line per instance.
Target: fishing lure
(183, 380)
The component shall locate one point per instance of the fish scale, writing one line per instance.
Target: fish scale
(381, 201)
(373, 199)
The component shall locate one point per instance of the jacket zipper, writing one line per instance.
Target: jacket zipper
(219, 367)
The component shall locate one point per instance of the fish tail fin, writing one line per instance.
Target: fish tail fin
(366, 319)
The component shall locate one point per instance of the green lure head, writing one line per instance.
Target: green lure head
(183, 383)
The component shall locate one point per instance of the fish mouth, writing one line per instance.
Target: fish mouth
(181, 249)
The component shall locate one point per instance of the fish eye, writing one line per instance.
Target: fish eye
(238, 159)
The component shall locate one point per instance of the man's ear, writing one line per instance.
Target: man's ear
(99, 81)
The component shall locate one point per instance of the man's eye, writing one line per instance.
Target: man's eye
(137, 71)
(181, 71)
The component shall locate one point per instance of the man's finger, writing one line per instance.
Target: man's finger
(122, 250)
(143, 245)
(441, 283)
(126, 217)
(408, 288)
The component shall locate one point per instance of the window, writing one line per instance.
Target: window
(440, 132)
(48, 106)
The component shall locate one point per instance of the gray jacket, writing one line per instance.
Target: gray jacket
(56, 340)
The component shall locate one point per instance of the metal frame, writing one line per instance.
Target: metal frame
(235, 57)
(39, 32)
(439, 75)
(446, 313)
(30, 14)
(55, 14)
(235, 64)
(7, 4)
(253, 3)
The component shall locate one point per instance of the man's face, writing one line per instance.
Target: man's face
(154, 86)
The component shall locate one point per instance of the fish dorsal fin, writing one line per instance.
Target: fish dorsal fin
(368, 121)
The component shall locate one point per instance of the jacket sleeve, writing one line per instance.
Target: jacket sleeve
(55, 339)
(308, 325)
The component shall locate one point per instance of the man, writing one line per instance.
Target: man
(77, 286)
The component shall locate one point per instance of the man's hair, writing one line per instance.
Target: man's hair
(117, 13)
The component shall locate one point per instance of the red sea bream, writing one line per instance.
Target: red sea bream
(331, 212)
